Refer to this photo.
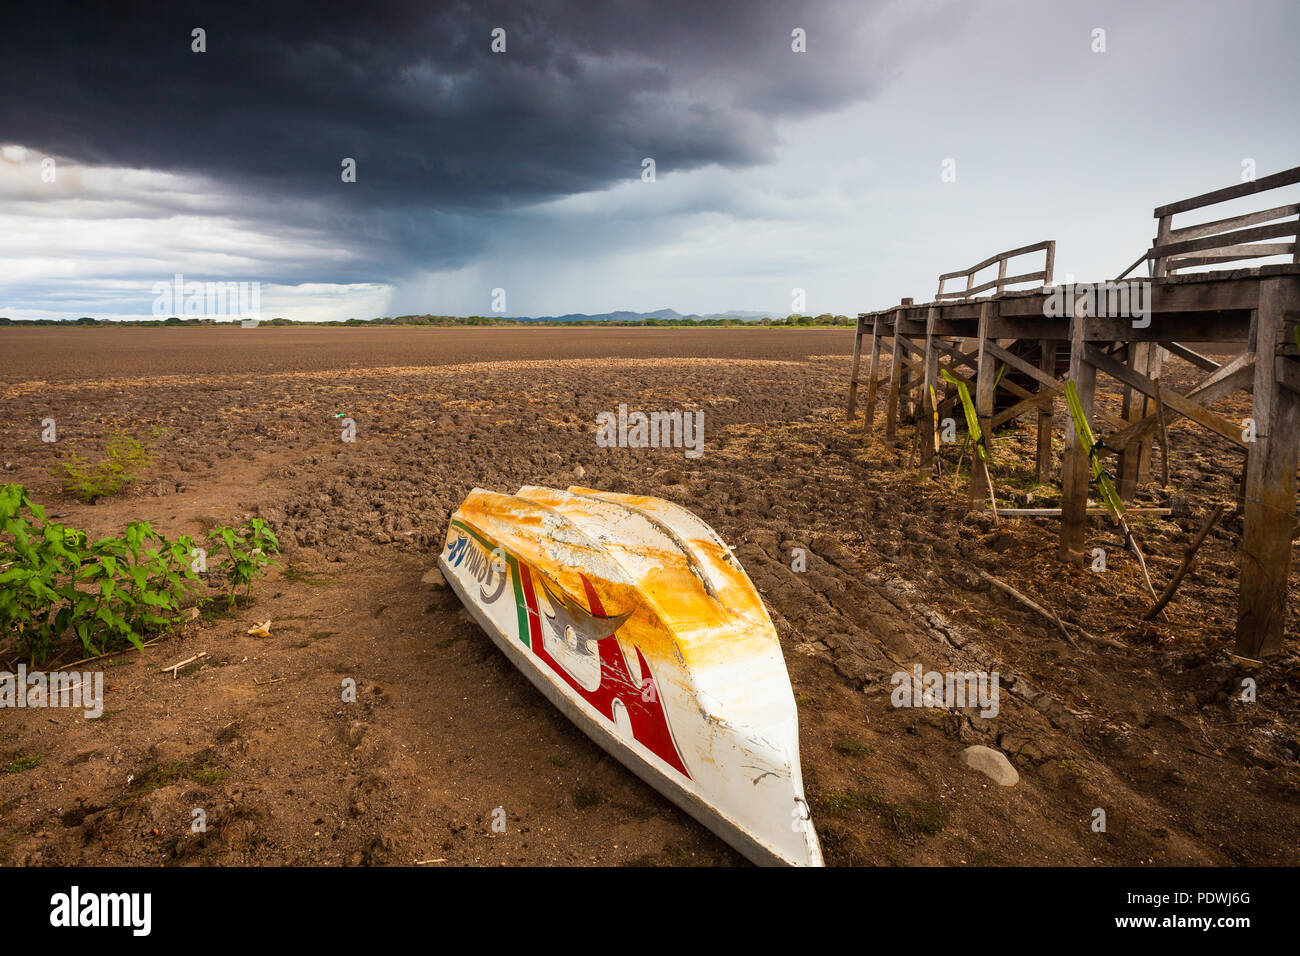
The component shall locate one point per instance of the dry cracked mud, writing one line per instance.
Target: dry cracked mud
(1148, 725)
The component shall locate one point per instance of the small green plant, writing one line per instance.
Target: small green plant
(125, 457)
(29, 762)
(37, 599)
(108, 593)
(246, 552)
(139, 582)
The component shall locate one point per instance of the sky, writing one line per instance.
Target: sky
(904, 140)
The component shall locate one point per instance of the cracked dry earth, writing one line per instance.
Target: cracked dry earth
(1147, 725)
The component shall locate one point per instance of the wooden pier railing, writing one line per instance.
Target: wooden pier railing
(1044, 276)
(1224, 240)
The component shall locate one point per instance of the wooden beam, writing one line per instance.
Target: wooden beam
(1179, 403)
(1270, 483)
(1232, 377)
(957, 355)
(1020, 365)
(1037, 401)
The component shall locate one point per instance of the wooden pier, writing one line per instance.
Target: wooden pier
(1016, 350)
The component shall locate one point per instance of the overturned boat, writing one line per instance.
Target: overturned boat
(635, 620)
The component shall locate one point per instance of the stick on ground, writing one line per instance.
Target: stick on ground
(1027, 602)
(1186, 566)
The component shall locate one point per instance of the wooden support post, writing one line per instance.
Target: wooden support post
(1076, 470)
(895, 381)
(1046, 363)
(1245, 465)
(1135, 456)
(873, 372)
(929, 388)
(907, 381)
(1163, 228)
(853, 378)
(1153, 406)
(983, 397)
(1270, 481)
(986, 372)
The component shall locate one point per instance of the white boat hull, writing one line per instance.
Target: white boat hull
(633, 619)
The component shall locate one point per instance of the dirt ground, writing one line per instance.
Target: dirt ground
(1148, 726)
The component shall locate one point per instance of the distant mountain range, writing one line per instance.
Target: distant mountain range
(663, 315)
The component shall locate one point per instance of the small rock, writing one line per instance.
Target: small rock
(434, 577)
(579, 472)
(992, 763)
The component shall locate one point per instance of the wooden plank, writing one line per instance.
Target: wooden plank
(1179, 403)
(1076, 471)
(1092, 510)
(1285, 178)
(1168, 249)
(1232, 222)
(1244, 252)
(1270, 484)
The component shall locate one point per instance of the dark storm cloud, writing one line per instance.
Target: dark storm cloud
(441, 127)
